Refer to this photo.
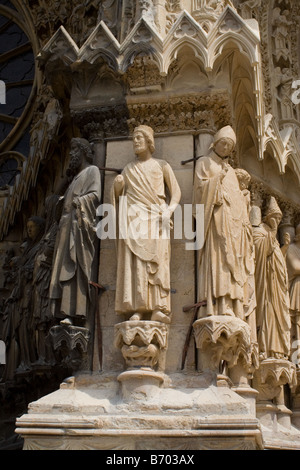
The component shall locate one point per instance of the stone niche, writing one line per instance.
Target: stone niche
(196, 383)
(152, 391)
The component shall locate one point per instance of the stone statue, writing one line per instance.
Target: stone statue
(19, 333)
(225, 261)
(249, 307)
(75, 244)
(143, 272)
(293, 268)
(273, 317)
(42, 276)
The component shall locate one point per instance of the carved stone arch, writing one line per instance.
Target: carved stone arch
(141, 49)
(171, 54)
(144, 74)
(11, 164)
(244, 107)
(291, 178)
(292, 161)
(101, 44)
(230, 39)
(272, 149)
(187, 70)
(233, 70)
(104, 55)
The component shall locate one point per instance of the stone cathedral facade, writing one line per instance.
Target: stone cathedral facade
(79, 79)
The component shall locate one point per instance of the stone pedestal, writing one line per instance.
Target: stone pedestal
(70, 343)
(226, 350)
(129, 411)
(142, 344)
(276, 419)
(142, 384)
(296, 401)
(143, 407)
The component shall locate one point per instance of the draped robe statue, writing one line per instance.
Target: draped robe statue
(226, 260)
(18, 333)
(273, 316)
(75, 243)
(143, 269)
(293, 268)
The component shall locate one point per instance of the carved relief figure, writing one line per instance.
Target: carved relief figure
(281, 33)
(74, 251)
(293, 267)
(42, 276)
(35, 230)
(249, 307)
(18, 331)
(225, 261)
(143, 272)
(273, 317)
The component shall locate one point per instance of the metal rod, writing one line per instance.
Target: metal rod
(183, 162)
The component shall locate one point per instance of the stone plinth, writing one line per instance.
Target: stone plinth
(89, 412)
(275, 418)
(296, 401)
(225, 348)
(140, 384)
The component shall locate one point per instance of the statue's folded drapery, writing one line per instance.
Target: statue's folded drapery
(75, 245)
(226, 260)
(273, 319)
(143, 273)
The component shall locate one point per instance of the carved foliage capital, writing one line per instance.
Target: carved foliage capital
(224, 338)
(141, 342)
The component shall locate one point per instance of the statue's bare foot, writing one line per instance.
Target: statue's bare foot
(136, 317)
(66, 321)
(157, 315)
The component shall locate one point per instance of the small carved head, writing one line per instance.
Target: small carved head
(81, 148)
(224, 141)
(243, 178)
(35, 226)
(147, 133)
(273, 214)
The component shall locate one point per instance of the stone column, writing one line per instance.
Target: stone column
(203, 140)
(296, 402)
(256, 204)
(287, 224)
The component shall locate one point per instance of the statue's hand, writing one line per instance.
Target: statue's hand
(75, 202)
(223, 173)
(166, 215)
(273, 223)
(119, 184)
